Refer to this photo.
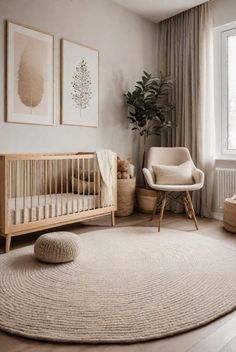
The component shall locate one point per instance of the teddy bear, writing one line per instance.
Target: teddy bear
(123, 167)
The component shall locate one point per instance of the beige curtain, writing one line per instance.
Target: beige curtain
(186, 55)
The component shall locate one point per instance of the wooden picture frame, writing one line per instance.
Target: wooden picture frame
(79, 84)
(29, 76)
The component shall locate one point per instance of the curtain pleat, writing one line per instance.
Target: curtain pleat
(185, 54)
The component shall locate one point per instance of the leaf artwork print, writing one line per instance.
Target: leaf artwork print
(81, 86)
(31, 75)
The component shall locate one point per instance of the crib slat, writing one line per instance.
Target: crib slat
(9, 180)
(38, 186)
(99, 188)
(45, 187)
(34, 187)
(24, 190)
(94, 178)
(78, 190)
(67, 187)
(61, 185)
(21, 190)
(43, 181)
(83, 183)
(72, 183)
(89, 185)
(15, 178)
(31, 188)
(42, 190)
(12, 179)
(28, 185)
(50, 186)
(56, 204)
(41, 178)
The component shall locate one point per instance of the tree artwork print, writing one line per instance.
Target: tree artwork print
(81, 85)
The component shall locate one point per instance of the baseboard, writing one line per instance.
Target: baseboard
(217, 215)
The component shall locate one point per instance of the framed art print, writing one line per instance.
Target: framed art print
(29, 76)
(79, 85)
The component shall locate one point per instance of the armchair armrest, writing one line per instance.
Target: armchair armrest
(148, 177)
(198, 176)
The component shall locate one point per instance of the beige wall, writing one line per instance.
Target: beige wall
(127, 46)
(224, 11)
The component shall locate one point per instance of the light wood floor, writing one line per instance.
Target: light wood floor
(219, 336)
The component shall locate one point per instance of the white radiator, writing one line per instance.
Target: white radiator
(225, 184)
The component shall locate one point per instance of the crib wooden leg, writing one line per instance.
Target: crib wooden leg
(7, 243)
(112, 218)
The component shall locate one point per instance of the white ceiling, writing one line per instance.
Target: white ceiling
(158, 10)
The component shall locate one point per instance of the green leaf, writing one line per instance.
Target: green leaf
(149, 104)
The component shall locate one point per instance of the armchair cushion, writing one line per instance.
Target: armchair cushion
(174, 174)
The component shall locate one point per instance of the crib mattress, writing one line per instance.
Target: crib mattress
(23, 210)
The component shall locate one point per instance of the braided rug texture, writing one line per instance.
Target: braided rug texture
(126, 285)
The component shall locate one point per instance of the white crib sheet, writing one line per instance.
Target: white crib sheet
(22, 210)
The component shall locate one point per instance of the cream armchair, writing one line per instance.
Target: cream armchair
(172, 156)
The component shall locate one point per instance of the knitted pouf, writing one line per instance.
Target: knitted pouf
(56, 247)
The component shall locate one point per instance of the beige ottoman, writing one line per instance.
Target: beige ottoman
(57, 247)
(230, 214)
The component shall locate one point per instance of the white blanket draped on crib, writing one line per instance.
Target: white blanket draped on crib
(107, 166)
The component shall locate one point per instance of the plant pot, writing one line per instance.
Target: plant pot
(125, 196)
(145, 199)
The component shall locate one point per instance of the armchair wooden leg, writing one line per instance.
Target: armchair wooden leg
(112, 218)
(7, 243)
(163, 204)
(156, 205)
(187, 208)
(192, 209)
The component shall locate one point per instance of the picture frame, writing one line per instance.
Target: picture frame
(30, 76)
(79, 84)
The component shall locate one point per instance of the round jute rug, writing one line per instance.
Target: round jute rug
(128, 284)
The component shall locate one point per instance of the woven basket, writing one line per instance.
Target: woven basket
(146, 199)
(125, 196)
(230, 214)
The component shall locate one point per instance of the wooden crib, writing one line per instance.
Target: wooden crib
(40, 191)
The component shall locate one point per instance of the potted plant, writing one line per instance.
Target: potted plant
(149, 110)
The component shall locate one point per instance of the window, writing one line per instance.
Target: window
(228, 90)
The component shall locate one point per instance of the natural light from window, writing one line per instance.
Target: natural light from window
(232, 92)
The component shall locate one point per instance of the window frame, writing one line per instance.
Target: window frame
(221, 35)
(225, 89)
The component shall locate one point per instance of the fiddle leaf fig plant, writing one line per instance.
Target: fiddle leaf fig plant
(149, 107)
